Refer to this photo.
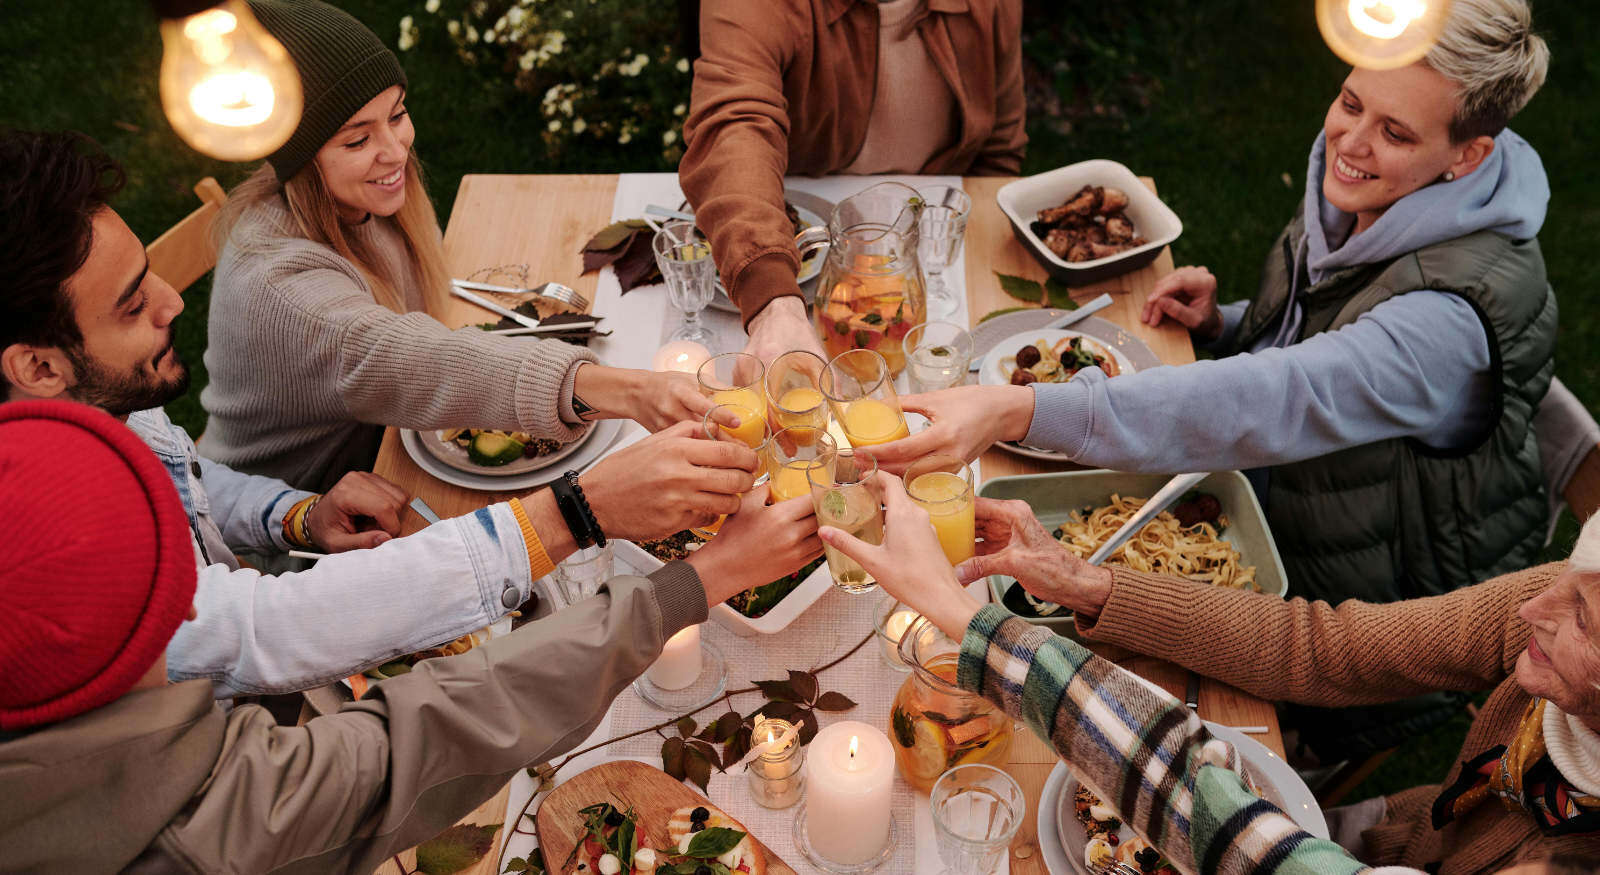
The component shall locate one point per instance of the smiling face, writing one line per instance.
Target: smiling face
(1562, 660)
(1388, 134)
(364, 164)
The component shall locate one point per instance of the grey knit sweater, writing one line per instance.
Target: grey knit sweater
(306, 367)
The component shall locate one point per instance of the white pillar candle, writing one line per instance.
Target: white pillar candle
(680, 355)
(679, 663)
(849, 779)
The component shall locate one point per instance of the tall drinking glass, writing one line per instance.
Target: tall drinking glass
(942, 485)
(792, 389)
(937, 356)
(735, 378)
(860, 390)
(792, 453)
(976, 812)
(941, 227)
(684, 258)
(751, 431)
(848, 501)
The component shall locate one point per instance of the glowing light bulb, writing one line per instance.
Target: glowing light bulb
(227, 86)
(1381, 34)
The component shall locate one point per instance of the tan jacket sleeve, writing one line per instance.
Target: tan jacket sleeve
(1002, 151)
(736, 147)
(346, 791)
(1318, 654)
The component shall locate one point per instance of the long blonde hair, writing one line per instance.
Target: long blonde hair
(316, 217)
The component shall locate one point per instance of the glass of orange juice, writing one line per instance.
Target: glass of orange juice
(942, 485)
(792, 453)
(847, 499)
(793, 395)
(860, 390)
(751, 431)
(734, 378)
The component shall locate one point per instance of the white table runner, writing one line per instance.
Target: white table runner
(639, 323)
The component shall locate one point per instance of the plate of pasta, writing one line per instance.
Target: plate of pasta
(1215, 535)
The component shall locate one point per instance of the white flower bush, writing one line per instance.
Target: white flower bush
(607, 76)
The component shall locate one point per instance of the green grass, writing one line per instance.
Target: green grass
(1219, 101)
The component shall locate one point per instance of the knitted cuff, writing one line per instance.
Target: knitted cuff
(542, 398)
(680, 596)
(539, 563)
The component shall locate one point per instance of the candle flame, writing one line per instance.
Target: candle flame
(854, 743)
(772, 735)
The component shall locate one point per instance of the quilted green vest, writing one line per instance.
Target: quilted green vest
(1397, 519)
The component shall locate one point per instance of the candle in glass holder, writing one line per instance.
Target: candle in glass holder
(685, 356)
(850, 778)
(893, 629)
(678, 666)
(775, 777)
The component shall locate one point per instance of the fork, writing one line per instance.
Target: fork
(550, 291)
(1121, 868)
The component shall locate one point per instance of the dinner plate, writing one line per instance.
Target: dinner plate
(458, 458)
(813, 210)
(993, 371)
(600, 439)
(1062, 837)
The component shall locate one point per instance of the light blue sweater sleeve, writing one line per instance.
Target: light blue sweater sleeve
(1416, 365)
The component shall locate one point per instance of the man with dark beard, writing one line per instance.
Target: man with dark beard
(82, 318)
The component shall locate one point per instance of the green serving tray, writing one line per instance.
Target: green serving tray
(1053, 497)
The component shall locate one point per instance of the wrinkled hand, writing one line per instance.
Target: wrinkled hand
(780, 327)
(757, 545)
(1014, 543)
(362, 510)
(1188, 296)
(910, 564)
(668, 482)
(966, 420)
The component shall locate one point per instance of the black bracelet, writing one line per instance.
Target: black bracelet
(571, 511)
(592, 524)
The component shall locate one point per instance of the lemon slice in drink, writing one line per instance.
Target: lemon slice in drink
(927, 758)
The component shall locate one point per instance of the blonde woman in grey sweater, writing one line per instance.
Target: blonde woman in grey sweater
(330, 274)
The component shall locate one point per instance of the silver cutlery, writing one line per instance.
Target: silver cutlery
(492, 307)
(1159, 502)
(547, 329)
(424, 511)
(549, 291)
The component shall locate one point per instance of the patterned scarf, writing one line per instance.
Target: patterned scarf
(1522, 775)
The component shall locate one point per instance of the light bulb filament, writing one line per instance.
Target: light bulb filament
(1385, 19)
(233, 99)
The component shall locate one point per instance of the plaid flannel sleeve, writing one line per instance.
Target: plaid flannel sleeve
(1141, 751)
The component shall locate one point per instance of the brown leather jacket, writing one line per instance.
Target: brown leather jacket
(786, 86)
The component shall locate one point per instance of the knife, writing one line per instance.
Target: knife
(1072, 318)
(424, 511)
(1159, 502)
(492, 307)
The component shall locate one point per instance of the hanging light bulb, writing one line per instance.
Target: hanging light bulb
(227, 86)
(1381, 34)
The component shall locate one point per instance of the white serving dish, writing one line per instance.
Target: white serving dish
(1022, 200)
(786, 611)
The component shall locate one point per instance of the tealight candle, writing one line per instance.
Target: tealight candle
(678, 666)
(680, 355)
(850, 774)
(894, 628)
(775, 777)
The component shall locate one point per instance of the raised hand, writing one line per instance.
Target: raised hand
(1014, 543)
(782, 326)
(1188, 296)
(966, 420)
(757, 545)
(670, 481)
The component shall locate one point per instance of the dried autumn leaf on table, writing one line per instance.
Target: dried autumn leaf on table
(672, 756)
(637, 265)
(626, 247)
(612, 236)
(455, 849)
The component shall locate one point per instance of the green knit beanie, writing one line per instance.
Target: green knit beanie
(342, 65)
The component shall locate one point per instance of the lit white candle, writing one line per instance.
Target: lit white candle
(680, 355)
(679, 663)
(850, 776)
(894, 629)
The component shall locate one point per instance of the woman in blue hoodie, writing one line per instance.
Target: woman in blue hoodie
(1381, 384)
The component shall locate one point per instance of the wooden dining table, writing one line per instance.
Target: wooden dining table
(545, 220)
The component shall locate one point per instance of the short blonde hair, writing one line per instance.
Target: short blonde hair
(1489, 50)
(1585, 557)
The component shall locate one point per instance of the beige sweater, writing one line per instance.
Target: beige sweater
(1360, 653)
(913, 111)
(305, 367)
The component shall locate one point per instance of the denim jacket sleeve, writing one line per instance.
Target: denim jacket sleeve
(249, 509)
(258, 634)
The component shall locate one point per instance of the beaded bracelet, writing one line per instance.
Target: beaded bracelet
(575, 510)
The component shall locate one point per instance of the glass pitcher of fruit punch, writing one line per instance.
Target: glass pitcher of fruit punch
(871, 290)
(934, 724)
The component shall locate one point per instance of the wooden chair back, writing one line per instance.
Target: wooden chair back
(185, 253)
(1583, 490)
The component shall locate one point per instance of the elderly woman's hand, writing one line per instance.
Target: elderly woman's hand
(966, 421)
(1012, 542)
(910, 564)
(1188, 295)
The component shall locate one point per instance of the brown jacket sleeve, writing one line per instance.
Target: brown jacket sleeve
(1001, 154)
(1317, 654)
(736, 146)
(346, 791)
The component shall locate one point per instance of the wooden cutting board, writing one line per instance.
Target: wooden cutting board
(652, 793)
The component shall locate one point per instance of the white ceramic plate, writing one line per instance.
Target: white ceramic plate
(591, 449)
(994, 371)
(1062, 838)
(786, 611)
(458, 458)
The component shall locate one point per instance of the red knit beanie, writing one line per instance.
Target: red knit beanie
(96, 566)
